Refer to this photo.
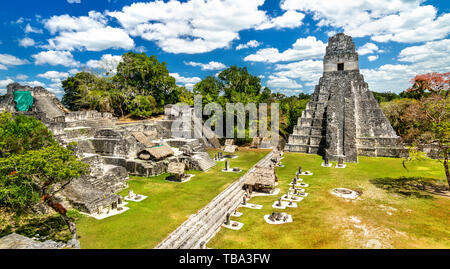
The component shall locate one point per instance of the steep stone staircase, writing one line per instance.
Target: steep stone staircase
(204, 161)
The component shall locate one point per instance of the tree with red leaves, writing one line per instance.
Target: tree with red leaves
(428, 84)
(429, 117)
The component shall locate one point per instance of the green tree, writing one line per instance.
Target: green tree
(291, 109)
(395, 111)
(429, 118)
(385, 96)
(429, 121)
(209, 88)
(186, 96)
(144, 75)
(266, 96)
(143, 106)
(21, 133)
(36, 172)
(303, 96)
(239, 86)
(76, 87)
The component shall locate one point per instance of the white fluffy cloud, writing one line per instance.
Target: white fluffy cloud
(73, 71)
(286, 77)
(435, 53)
(195, 26)
(53, 57)
(187, 82)
(368, 48)
(26, 42)
(307, 70)
(303, 48)
(372, 58)
(6, 82)
(21, 77)
(384, 20)
(30, 29)
(290, 19)
(86, 33)
(74, 1)
(249, 44)
(54, 75)
(65, 22)
(10, 60)
(209, 66)
(33, 83)
(432, 56)
(277, 82)
(107, 63)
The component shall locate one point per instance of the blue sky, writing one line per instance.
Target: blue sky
(282, 42)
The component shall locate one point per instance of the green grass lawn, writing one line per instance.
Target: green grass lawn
(169, 204)
(392, 211)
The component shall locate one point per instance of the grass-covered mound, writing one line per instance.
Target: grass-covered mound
(396, 208)
(169, 204)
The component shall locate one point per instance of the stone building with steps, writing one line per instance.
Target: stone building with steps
(109, 146)
(342, 118)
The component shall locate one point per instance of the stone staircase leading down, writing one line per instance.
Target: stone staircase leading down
(196, 231)
(204, 161)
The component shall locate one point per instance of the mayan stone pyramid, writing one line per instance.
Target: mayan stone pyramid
(343, 119)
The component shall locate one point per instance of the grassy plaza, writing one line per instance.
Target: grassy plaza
(391, 212)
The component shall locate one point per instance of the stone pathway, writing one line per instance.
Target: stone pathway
(196, 231)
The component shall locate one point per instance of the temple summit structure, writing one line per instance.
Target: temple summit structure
(342, 119)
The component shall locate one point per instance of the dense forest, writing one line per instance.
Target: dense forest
(141, 87)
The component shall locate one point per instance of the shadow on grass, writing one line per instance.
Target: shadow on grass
(419, 187)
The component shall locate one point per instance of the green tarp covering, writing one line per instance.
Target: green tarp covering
(24, 100)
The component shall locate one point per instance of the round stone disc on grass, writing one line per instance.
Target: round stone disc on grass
(345, 193)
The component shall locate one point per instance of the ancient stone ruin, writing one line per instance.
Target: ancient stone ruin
(113, 149)
(343, 119)
(261, 179)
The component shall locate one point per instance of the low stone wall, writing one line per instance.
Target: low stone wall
(431, 150)
(87, 115)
